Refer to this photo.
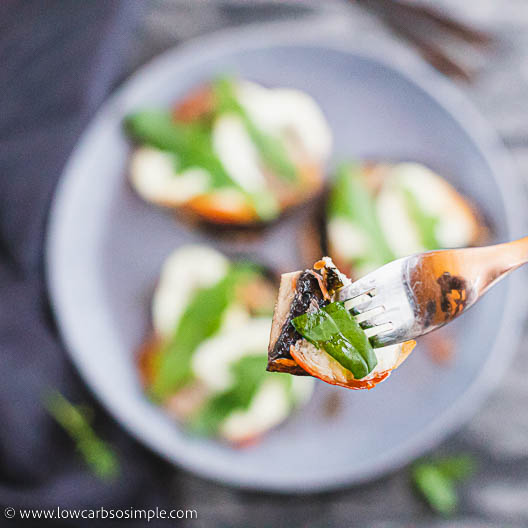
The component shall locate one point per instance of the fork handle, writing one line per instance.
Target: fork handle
(499, 260)
(516, 252)
(445, 283)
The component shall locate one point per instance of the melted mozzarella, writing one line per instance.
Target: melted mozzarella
(436, 196)
(238, 154)
(400, 231)
(194, 267)
(235, 317)
(351, 241)
(302, 388)
(268, 408)
(288, 113)
(456, 223)
(212, 359)
(272, 402)
(184, 271)
(153, 176)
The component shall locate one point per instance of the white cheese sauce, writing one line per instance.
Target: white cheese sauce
(351, 241)
(183, 272)
(272, 402)
(438, 198)
(238, 154)
(290, 115)
(456, 223)
(153, 176)
(268, 408)
(212, 360)
(399, 228)
(193, 267)
(286, 111)
(287, 114)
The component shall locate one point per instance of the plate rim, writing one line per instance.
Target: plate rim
(438, 88)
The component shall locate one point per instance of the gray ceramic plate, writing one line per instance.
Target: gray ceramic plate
(105, 248)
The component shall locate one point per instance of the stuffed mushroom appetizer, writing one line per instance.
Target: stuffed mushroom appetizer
(205, 360)
(379, 212)
(314, 335)
(233, 152)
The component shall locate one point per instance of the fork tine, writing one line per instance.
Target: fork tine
(367, 314)
(358, 300)
(379, 329)
(380, 300)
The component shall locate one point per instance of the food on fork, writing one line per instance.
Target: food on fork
(379, 212)
(205, 361)
(233, 152)
(314, 335)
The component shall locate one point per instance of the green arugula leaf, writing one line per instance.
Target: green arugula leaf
(271, 149)
(437, 489)
(334, 329)
(191, 142)
(457, 467)
(353, 332)
(248, 373)
(201, 319)
(100, 457)
(352, 200)
(436, 480)
(425, 222)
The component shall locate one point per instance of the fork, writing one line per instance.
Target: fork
(414, 295)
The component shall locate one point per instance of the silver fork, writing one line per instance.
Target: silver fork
(413, 295)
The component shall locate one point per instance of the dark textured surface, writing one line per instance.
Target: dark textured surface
(59, 61)
(52, 80)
